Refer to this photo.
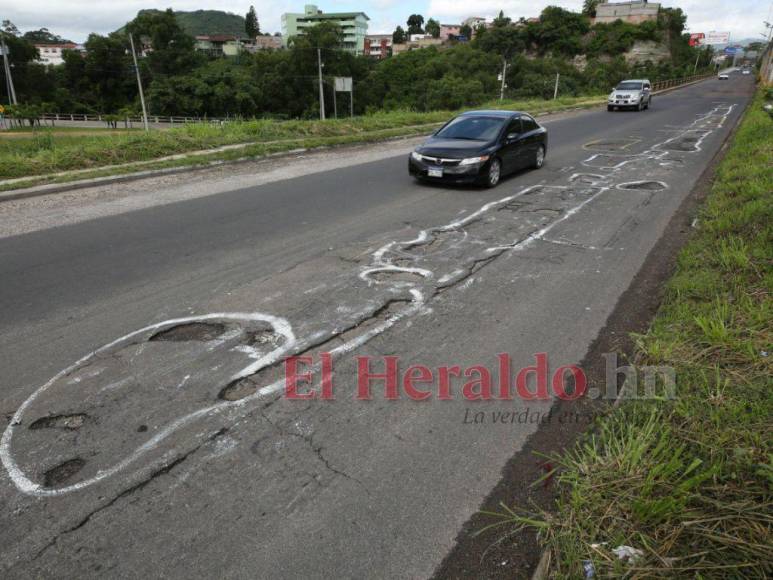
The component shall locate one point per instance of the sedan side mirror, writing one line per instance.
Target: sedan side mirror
(511, 136)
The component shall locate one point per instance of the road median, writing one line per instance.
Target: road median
(47, 160)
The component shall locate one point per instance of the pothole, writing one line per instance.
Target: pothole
(437, 242)
(63, 472)
(394, 275)
(512, 206)
(190, 331)
(610, 144)
(263, 337)
(70, 422)
(643, 186)
(247, 386)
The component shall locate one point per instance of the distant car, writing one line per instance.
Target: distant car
(723, 76)
(480, 147)
(746, 71)
(631, 94)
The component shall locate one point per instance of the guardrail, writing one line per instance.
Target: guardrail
(172, 120)
(667, 84)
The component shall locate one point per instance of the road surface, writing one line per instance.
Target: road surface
(146, 428)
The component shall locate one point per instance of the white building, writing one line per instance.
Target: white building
(52, 53)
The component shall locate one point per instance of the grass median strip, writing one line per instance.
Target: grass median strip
(45, 152)
(686, 481)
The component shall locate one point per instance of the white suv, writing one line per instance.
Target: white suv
(630, 94)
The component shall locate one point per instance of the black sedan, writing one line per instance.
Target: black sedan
(480, 147)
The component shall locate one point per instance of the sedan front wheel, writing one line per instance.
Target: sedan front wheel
(494, 173)
(539, 157)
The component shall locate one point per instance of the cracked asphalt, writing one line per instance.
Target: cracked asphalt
(144, 327)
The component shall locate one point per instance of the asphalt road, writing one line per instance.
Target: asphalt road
(172, 457)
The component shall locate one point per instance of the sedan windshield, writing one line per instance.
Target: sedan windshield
(472, 128)
(629, 87)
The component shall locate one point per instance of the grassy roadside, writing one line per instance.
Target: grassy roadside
(688, 480)
(45, 152)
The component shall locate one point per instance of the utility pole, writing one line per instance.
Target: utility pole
(351, 100)
(7, 68)
(504, 74)
(555, 90)
(335, 106)
(321, 91)
(695, 68)
(139, 84)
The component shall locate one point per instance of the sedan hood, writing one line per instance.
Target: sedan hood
(453, 148)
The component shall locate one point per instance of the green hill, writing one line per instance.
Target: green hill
(208, 22)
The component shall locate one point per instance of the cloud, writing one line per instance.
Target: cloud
(75, 19)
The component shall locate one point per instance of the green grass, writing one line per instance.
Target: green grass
(688, 480)
(45, 152)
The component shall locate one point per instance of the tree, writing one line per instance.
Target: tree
(415, 24)
(433, 28)
(589, 7)
(173, 51)
(501, 20)
(43, 36)
(9, 28)
(251, 25)
(398, 36)
(466, 31)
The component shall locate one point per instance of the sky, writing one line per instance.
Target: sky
(75, 19)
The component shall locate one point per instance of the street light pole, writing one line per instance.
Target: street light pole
(504, 74)
(321, 91)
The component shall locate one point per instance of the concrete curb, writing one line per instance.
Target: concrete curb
(47, 189)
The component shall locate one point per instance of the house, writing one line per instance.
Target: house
(219, 44)
(449, 31)
(473, 21)
(414, 45)
(378, 45)
(52, 53)
(267, 41)
(634, 12)
(353, 24)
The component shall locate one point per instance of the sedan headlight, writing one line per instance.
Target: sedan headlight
(416, 156)
(474, 160)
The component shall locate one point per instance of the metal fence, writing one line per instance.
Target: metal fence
(172, 120)
(667, 84)
(177, 120)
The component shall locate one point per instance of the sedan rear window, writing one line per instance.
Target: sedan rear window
(472, 128)
(629, 87)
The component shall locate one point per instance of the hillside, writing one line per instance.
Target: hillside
(208, 22)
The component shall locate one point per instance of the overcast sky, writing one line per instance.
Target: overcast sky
(75, 19)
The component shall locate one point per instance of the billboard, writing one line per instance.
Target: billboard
(697, 39)
(715, 37)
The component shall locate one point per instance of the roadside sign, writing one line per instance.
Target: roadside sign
(343, 84)
(731, 50)
(697, 39)
(715, 37)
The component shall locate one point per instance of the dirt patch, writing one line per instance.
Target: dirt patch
(501, 553)
(192, 331)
